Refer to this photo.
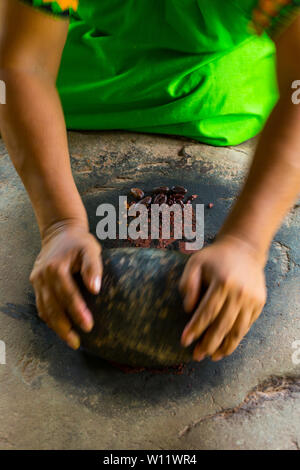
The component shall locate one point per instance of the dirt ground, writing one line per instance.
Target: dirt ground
(54, 398)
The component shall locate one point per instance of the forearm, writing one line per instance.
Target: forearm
(273, 183)
(33, 127)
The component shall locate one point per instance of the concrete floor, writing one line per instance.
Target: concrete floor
(54, 398)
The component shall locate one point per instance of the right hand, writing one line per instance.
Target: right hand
(66, 249)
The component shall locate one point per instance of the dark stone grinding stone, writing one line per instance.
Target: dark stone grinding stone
(139, 316)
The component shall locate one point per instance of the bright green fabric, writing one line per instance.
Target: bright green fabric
(185, 67)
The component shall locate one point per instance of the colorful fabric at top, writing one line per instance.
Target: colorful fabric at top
(59, 7)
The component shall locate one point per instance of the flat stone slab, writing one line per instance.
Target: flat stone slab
(54, 398)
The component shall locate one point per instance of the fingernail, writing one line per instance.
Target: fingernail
(87, 324)
(187, 341)
(73, 340)
(96, 284)
(216, 358)
(199, 357)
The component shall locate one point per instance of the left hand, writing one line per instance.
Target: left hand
(233, 274)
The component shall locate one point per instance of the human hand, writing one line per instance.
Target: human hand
(66, 249)
(233, 274)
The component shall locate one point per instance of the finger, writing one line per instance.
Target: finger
(256, 313)
(205, 314)
(91, 269)
(55, 318)
(42, 313)
(190, 286)
(236, 334)
(68, 295)
(217, 331)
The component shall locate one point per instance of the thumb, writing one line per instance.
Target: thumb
(190, 286)
(91, 269)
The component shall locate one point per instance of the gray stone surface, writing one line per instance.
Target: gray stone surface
(54, 398)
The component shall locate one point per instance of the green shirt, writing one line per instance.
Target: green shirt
(184, 67)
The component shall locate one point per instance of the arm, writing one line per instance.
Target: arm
(236, 290)
(33, 127)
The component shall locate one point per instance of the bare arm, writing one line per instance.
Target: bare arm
(33, 127)
(273, 183)
(236, 287)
